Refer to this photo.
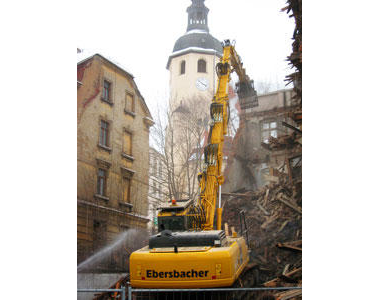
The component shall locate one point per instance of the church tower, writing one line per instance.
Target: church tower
(192, 86)
(193, 60)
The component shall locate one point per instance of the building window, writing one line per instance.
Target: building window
(156, 167)
(127, 143)
(106, 91)
(182, 67)
(129, 105)
(201, 66)
(104, 134)
(268, 128)
(154, 188)
(101, 182)
(99, 234)
(154, 163)
(126, 189)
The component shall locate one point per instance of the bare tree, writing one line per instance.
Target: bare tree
(268, 85)
(233, 121)
(179, 134)
(161, 132)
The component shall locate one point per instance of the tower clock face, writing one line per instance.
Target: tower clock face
(202, 84)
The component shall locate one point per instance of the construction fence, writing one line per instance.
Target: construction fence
(259, 293)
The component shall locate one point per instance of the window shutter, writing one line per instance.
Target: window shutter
(129, 102)
(126, 190)
(127, 143)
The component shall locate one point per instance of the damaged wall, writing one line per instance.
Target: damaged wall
(249, 163)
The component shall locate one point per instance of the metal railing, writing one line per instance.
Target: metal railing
(121, 290)
(206, 294)
(212, 293)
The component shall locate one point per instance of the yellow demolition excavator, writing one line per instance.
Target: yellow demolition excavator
(191, 250)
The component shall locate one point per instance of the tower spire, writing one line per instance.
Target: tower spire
(197, 16)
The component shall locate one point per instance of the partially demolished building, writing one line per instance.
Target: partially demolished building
(251, 163)
(264, 176)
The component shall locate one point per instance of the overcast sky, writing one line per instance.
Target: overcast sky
(141, 34)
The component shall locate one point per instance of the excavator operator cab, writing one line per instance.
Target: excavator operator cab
(174, 223)
(174, 216)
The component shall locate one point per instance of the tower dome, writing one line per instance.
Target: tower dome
(197, 37)
(198, 40)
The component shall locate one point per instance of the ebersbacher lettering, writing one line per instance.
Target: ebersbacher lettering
(177, 274)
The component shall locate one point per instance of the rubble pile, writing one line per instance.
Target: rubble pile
(273, 219)
(123, 281)
(294, 8)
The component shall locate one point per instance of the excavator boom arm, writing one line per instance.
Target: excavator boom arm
(211, 177)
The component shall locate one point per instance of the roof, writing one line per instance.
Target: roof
(197, 41)
(196, 38)
(180, 204)
(111, 61)
(122, 69)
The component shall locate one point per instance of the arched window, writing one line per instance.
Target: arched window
(201, 66)
(182, 67)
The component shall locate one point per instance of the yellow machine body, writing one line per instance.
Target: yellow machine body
(189, 267)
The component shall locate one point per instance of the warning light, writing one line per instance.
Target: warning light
(143, 278)
(173, 201)
(213, 277)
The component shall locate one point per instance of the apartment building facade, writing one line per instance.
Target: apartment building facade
(113, 123)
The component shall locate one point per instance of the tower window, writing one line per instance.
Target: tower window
(201, 68)
(182, 67)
